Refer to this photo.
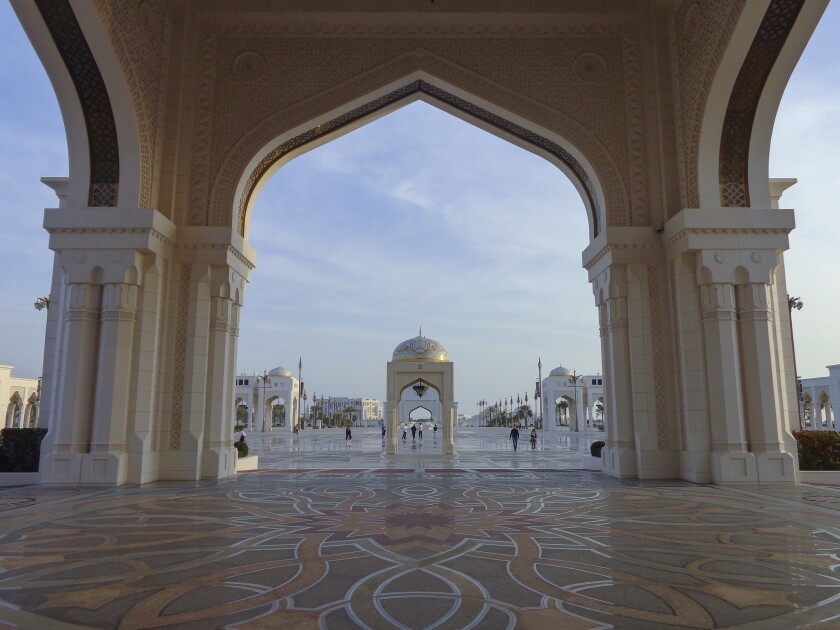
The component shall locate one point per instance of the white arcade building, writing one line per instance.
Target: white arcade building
(572, 399)
(261, 393)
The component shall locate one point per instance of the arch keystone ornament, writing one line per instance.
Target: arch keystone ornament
(660, 113)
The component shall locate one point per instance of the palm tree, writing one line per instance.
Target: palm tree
(278, 414)
(599, 414)
(562, 407)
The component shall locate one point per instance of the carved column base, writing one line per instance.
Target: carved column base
(619, 461)
(217, 463)
(733, 467)
(182, 465)
(104, 468)
(776, 468)
(61, 468)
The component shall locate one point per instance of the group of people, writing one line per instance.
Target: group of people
(416, 430)
(514, 437)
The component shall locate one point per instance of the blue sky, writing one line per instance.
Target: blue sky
(420, 219)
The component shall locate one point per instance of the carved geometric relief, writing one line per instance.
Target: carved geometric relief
(388, 99)
(93, 97)
(743, 102)
(181, 323)
(662, 436)
(699, 33)
(140, 36)
(554, 71)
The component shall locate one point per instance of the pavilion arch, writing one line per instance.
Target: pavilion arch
(275, 146)
(176, 113)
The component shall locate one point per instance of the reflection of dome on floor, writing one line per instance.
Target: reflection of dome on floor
(420, 348)
(279, 371)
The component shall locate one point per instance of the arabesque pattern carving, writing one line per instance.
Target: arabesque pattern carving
(657, 353)
(358, 60)
(184, 292)
(743, 102)
(93, 97)
(140, 35)
(699, 33)
(384, 101)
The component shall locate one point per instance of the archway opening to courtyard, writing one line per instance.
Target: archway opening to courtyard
(419, 217)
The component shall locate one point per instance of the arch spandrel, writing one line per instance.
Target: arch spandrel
(581, 99)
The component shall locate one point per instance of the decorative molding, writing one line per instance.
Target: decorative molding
(184, 293)
(93, 97)
(139, 33)
(736, 134)
(699, 34)
(592, 117)
(657, 353)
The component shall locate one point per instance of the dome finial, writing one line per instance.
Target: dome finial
(421, 331)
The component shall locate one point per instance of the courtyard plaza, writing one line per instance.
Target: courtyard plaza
(326, 536)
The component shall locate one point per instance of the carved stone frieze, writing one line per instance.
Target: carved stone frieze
(699, 32)
(140, 35)
(277, 75)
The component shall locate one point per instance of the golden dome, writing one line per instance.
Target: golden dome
(420, 348)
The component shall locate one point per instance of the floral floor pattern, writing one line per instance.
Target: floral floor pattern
(405, 549)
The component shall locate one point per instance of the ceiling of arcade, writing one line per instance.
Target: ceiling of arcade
(599, 80)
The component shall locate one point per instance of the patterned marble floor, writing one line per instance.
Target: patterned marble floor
(427, 547)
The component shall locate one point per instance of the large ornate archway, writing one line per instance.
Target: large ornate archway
(177, 111)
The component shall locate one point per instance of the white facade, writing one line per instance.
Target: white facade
(262, 394)
(816, 404)
(22, 398)
(367, 412)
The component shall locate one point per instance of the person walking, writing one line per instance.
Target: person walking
(383, 430)
(348, 436)
(434, 430)
(514, 437)
(413, 431)
(534, 439)
(242, 436)
(405, 431)
(420, 430)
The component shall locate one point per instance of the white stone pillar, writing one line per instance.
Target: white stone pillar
(217, 457)
(731, 463)
(762, 400)
(448, 429)
(611, 293)
(391, 413)
(106, 461)
(72, 424)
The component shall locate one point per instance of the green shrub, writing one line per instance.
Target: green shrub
(818, 450)
(595, 448)
(242, 447)
(20, 449)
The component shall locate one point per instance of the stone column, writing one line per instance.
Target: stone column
(391, 413)
(218, 457)
(72, 424)
(448, 429)
(106, 462)
(761, 396)
(620, 451)
(731, 463)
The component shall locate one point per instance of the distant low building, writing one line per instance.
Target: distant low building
(23, 398)
(271, 402)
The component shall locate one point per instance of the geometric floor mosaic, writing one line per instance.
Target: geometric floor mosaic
(408, 549)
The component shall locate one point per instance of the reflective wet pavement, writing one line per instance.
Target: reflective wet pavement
(475, 448)
(327, 536)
